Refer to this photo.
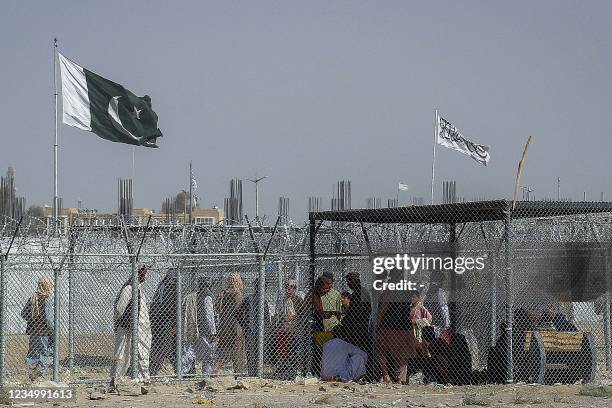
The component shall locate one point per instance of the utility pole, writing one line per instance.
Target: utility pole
(558, 188)
(256, 181)
(190, 191)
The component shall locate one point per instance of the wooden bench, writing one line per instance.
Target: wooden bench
(569, 356)
(546, 357)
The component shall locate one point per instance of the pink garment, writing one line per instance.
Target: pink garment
(420, 312)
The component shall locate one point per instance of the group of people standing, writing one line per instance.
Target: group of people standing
(215, 330)
(349, 341)
(157, 329)
(153, 326)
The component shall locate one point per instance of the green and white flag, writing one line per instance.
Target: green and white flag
(101, 106)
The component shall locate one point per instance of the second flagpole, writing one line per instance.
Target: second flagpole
(433, 160)
(397, 197)
(190, 191)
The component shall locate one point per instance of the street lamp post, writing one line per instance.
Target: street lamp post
(256, 181)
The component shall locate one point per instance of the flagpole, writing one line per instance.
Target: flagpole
(433, 161)
(55, 199)
(397, 197)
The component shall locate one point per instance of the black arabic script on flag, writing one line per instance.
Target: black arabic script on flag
(449, 136)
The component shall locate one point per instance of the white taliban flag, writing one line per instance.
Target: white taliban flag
(402, 187)
(447, 135)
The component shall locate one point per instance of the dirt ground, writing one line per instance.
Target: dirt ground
(271, 394)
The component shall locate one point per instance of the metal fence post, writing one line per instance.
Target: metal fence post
(311, 285)
(260, 316)
(2, 321)
(454, 317)
(493, 322)
(56, 323)
(70, 315)
(135, 307)
(509, 296)
(179, 323)
(606, 316)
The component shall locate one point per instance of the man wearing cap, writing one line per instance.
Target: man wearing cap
(123, 331)
(331, 302)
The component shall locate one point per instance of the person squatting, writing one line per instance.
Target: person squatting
(351, 343)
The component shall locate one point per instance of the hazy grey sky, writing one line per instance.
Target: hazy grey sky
(312, 92)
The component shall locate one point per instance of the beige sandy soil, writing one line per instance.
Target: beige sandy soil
(267, 393)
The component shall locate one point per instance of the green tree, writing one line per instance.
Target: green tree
(178, 203)
(36, 211)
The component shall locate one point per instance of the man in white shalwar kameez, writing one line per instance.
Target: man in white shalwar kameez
(342, 359)
(199, 329)
(123, 332)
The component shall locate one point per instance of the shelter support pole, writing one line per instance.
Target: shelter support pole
(493, 327)
(509, 296)
(2, 321)
(606, 316)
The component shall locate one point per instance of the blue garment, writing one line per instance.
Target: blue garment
(40, 353)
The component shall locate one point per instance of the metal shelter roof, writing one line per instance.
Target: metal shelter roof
(455, 213)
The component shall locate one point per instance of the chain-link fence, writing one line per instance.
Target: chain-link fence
(457, 293)
(465, 293)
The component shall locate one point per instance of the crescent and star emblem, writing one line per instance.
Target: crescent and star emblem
(113, 112)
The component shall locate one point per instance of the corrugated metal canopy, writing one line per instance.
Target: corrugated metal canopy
(455, 213)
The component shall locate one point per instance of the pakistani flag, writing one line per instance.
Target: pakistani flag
(106, 108)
